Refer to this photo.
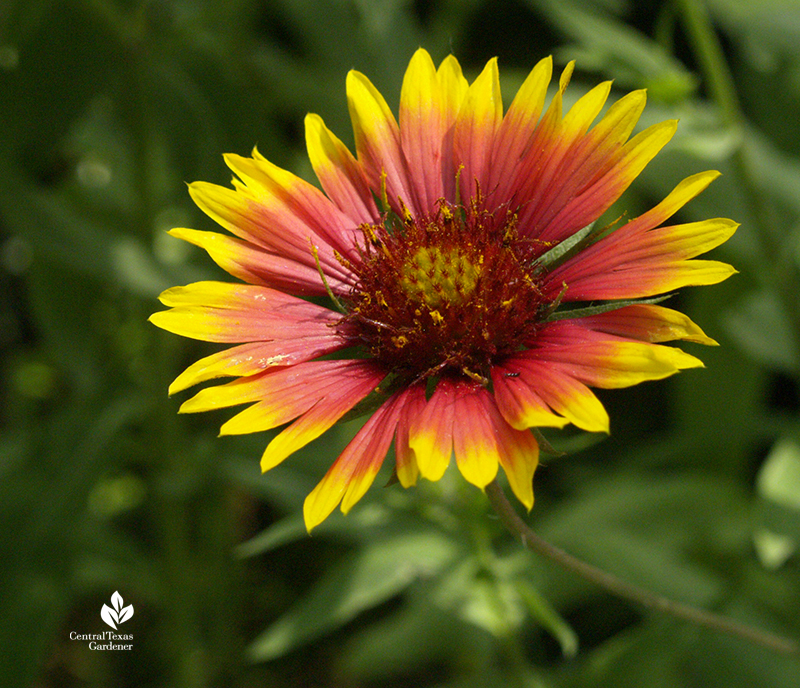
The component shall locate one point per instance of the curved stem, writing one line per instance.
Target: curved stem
(628, 591)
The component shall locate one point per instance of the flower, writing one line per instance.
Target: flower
(458, 244)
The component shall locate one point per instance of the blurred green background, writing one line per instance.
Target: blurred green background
(108, 107)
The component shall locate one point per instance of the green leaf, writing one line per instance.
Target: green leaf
(641, 529)
(773, 24)
(361, 581)
(764, 331)
(487, 601)
(285, 486)
(776, 172)
(419, 635)
(365, 522)
(773, 549)
(611, 47)
(779, 477)
(603, 308)
(565, 249)
(285, 531)
(546, 615)
(778, 487)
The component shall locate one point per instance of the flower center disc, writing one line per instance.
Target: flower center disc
(439, 277)
(447, 293)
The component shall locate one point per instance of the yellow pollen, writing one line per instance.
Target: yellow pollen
(439, 277)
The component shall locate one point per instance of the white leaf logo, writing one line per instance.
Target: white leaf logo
(118, 614)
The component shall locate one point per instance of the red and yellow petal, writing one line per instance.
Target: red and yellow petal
(423, 128)
(256, 265)
(256, 357)
(453, 88)
(610, 134)
(264, 225)
(481, 439)
(476, 128)
(519, 123)
(354, 384)
(353, 472)
(378, 146)
(684, 192)
(291, 395)
(604, 360)
(519, 457)
(406, 467)
(294, 206)
(645, 280)
(553, 181)
(475, 441)
(585, 110)
(519, 403)
(338, 172)
(565, 395)
(268, 413)
(641, 259)
(292, 386)
(569, 136)
(526, 180)
(648, 263)
(590, 202)
(648, 323)
(236, 313)
(430, 434)
(593, 159)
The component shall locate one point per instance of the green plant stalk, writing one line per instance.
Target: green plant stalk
(711, 59)
(508, 642)
(629, 591)
(722, 89)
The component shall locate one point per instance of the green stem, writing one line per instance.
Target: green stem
(722, 89)
(711, 59)
(628, 591)
(774, 268)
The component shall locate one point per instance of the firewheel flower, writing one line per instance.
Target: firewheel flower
(472, 296)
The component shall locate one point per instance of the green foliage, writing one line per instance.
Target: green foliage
(110, 106)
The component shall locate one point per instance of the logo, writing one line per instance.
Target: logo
(116, 614)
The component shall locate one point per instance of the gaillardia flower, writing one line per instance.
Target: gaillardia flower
(459, 248)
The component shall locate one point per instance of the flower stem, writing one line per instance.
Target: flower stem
(628, 591)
